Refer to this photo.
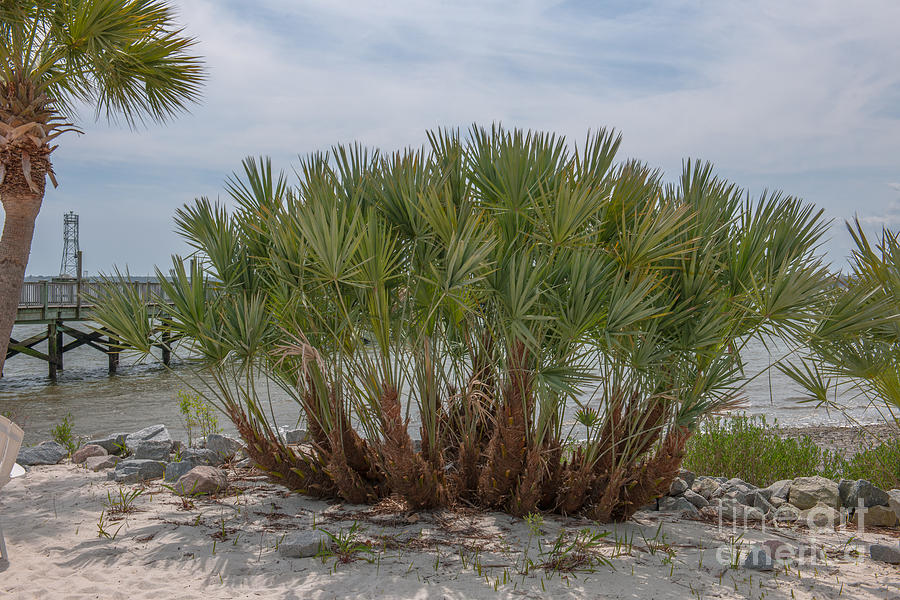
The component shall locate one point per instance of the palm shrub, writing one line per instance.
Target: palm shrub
(557, 322)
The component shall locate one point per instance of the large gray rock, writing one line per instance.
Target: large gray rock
(201, 456)
(695, 499)
(224, 446)
(875, 516)
(46, 453)
(688, 477)
(153, 449)
(303, 544)
(201, 480)
(136, 470)
(894, 501)
(865, 491)
(888, 554)
(786, 513)
(678, 487)
(806, 492)
(759, 560)
(821, 516)
(762, 504)
(735, 511)
(705, 486)
(779, 489)
(295, 436)
(844, 488)
(175, 470)
(113, 444)
(677, 505)
(101, 463)
(154, 433)
(87, 451)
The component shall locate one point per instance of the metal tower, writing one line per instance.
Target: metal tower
(69, 265)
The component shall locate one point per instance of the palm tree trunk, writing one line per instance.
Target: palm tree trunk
(15, 246)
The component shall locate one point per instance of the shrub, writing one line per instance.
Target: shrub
(880, 465)
(196, 414)
(62, 435)
(496, 286)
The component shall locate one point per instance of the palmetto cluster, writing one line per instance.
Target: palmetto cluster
(555, 323)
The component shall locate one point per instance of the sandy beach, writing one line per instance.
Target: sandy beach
(228, 547)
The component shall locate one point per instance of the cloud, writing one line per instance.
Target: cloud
(890, 217)
(791, 95)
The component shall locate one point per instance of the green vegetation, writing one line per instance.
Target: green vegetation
(62, 435)
(750, 448)
(494, 286)
(197, 415)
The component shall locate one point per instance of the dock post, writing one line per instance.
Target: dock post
(113, 355)
(52, 350)
(59, 345)
(166, 351)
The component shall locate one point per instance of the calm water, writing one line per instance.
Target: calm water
(144, 393)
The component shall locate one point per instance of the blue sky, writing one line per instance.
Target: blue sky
(798, 96)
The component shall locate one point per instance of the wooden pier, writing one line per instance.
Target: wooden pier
(59, 304)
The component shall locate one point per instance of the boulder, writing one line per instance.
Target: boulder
(202, 480)
(201, 456)
(759, 501)
(844, 487)
(224, 446)
(695, 499)
(295, 436)
(735, 511)
(758, 559)
(153, 449)
(87, 451)
(175, 470)
(154, 433)
(866, 493)
(303, 544)
(678, 487)
(677, 505)
(113, 444)
(807, 492)
(101, 463)
(888, 554)
(135, 470)
(688, 477)
(779, 489)
(786, 513)
(875, 516)
(247, 463)
(778, 549)
(821, 516)
(46, 453)
(705, 486)
(894, 501)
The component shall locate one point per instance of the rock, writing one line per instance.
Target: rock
(779, 550)
(888, 554)
(113, 444)
(875, 516)
(677, 505)
(87, 451)
(821, 515)
(779, 489)
(247, 463)
(738, 483)
(786, 513)
(295, 436)
(759, 560)
(806, 492)
(201, 456)
(775, 501)
(101, 463)
(153, 449)
(154, 433)
(695, 499)
(739, 496)
(303, 544)
(175, 470)
(688, 477)
(762, 504)
(46, 453)
(705, 486)
(202, 480)
(844, 487)
(678, 487)
(224, 446)
(865, 491)
(135, 470)
(894, 501)
(178, 446)
(735, 511)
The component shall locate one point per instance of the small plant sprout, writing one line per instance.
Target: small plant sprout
(344, 545)
(62, 435)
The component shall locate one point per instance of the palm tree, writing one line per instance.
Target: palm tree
(126, 57)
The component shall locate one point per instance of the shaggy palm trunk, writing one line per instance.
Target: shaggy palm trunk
(15, 245)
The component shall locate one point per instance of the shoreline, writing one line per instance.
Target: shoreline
(846, 440)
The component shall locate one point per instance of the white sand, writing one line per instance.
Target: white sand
(51, 519)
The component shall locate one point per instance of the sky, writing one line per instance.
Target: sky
(799, 96)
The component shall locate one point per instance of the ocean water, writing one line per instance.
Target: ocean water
(144, 393)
